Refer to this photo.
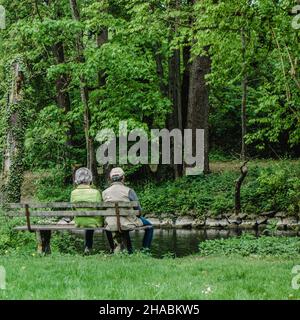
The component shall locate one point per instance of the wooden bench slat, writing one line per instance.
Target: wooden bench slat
(63, 227)
(70, 213)
(68, 205)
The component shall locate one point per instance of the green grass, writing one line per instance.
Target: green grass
(143, 277)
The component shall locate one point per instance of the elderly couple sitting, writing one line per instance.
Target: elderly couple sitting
(117, 192)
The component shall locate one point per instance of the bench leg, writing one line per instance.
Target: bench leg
(43, 241)
(121, 242)
(118, 245)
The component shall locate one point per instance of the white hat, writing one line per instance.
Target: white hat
(117, 172)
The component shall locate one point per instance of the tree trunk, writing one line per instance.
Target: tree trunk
(62, 94)
(185, 85)
(101, 39)
(196, 96)
(174, 90)
(244, 98)
(84, 93)
(160, 71)
(13, 166)
(238, 185)
(198, 104)
(175, 119)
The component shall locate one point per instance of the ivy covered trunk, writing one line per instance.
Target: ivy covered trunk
(13, 166)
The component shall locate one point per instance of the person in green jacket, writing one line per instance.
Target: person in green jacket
(85, 193)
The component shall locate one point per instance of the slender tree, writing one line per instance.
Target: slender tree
(244, 95)
(84, 92)
(175, 87)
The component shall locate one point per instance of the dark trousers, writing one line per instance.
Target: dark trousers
(147, 240)
(148, 234)
(89, 239)
(125, 235)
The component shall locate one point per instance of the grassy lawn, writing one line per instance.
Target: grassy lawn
(143, 277)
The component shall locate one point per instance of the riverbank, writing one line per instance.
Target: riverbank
(120, 277)
(278, 221)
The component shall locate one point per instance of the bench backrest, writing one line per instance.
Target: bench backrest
(67, 209)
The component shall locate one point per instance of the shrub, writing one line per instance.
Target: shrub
(247, 245)
(25, 242)
(276, 187)
(51, 186)
(11, 240)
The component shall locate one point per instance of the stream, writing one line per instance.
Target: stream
(169, 242)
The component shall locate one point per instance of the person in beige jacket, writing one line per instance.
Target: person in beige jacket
(118, 192)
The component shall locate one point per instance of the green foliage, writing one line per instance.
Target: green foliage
(275, 187)
(51, 186)
(12, 241)
(128, 75)
(269, 64)
(272, 187)
(219, 155)
(45, 139)
(194, 195)
(247, 245)
(271, 227)
(67, 243)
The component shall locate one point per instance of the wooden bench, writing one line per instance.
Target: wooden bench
(61, 210)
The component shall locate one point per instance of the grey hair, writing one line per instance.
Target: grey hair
(83, 176)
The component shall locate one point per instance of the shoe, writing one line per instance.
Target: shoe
(146, 251)
(87, 251)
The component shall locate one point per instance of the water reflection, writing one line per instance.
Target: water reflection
(169, 242)
(175, 242)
